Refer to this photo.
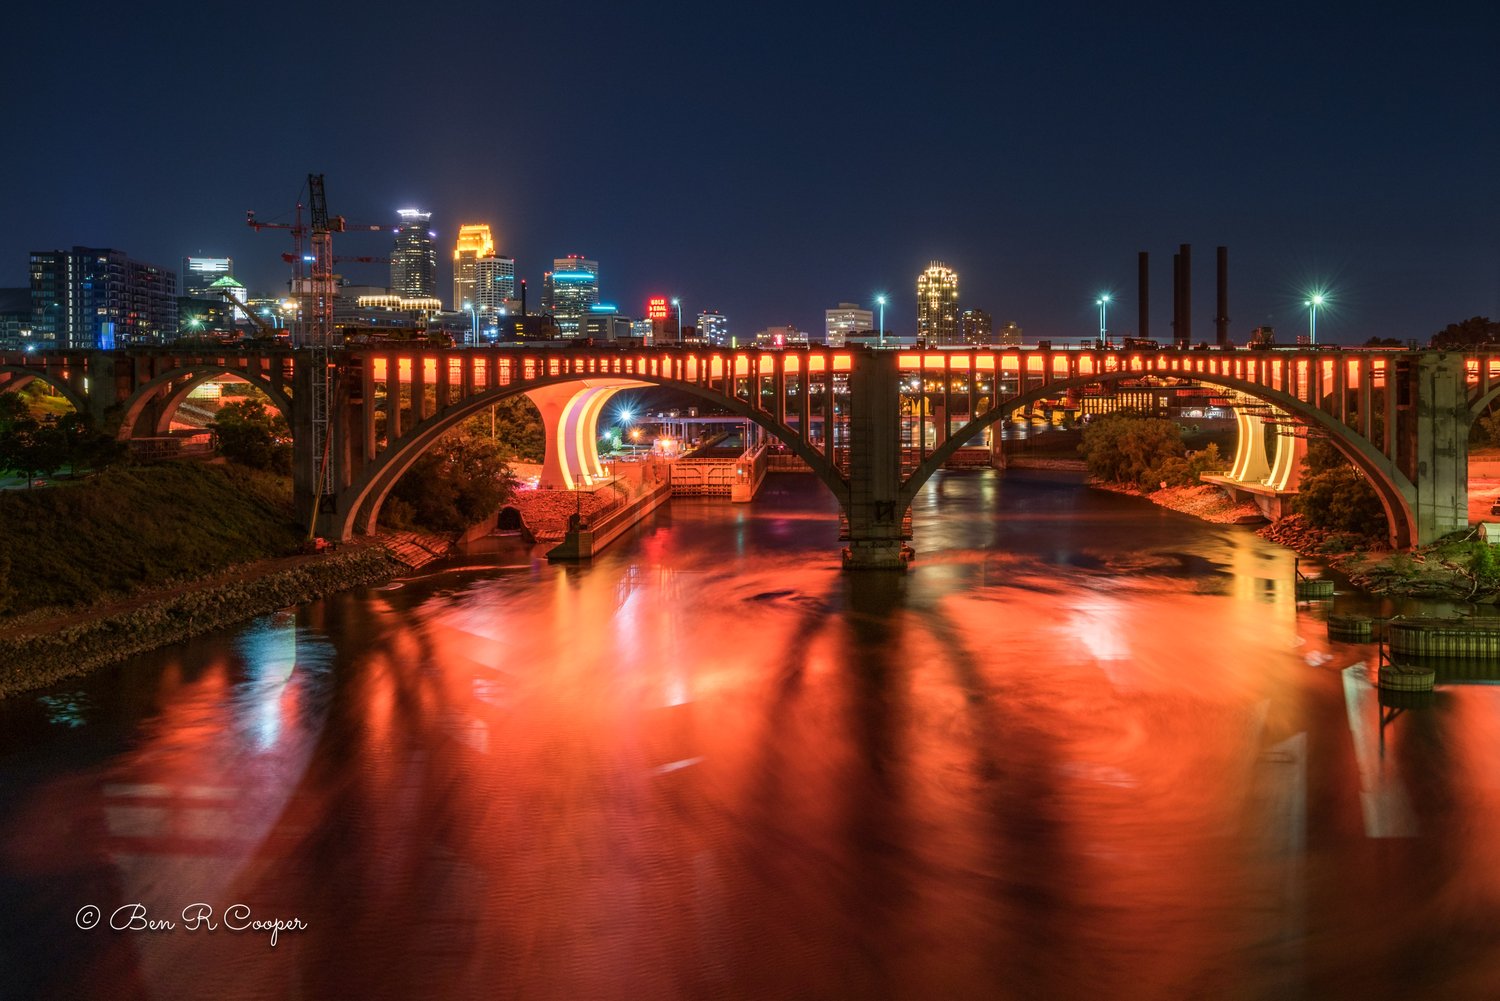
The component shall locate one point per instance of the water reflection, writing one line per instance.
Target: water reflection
(1085, 748)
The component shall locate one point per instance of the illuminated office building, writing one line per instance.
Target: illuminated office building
(574, 286)
(494, 283)
(414, 258)
(474, 242)
(847, 321)
(937, 304)
(713, 328)
(976, 327)
(91, 297)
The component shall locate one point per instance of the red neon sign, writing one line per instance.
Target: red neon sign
(656, 309)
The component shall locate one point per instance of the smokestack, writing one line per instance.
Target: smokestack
(1185, 332)
(1143, 295)
(523, 298)
(1221, 321)
(1176, 297)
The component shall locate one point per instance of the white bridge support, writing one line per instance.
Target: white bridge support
(570, 414)
(1269, 481)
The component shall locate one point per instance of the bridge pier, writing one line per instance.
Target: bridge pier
(875, 506)
(1436, 445)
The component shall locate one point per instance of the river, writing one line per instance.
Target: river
(1086, 748)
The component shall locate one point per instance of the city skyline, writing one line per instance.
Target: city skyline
(1291, 141)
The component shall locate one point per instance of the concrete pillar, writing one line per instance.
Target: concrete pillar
(1440, 440)
(875, 505)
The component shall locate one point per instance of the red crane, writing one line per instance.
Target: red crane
(313, 287)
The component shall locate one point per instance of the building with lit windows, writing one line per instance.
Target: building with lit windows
(574, 287)
(200, 273)
(781, 337)
(15, 319)
(474, 242)
(937, 305)
(976, 327)
(495, 283)
(98, 298)
(414, 258)
(846, 321)
(1010, 335)
(713, 328)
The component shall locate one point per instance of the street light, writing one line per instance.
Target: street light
(1312, 305)
(678, 303)
(473, 324)
(880, 301)
(1103, 303)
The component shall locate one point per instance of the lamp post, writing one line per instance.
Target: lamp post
(678, 303)
(1103, 303)
(1312, 316)
(880, 301)
(473, 324)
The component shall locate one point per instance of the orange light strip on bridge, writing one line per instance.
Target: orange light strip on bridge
(843, 363)
(908, 363)
(817, 363)
(377, 370)
(985, 362)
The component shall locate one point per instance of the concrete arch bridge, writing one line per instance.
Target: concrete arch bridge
(873, 425)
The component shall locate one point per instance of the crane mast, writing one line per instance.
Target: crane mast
(313, 288)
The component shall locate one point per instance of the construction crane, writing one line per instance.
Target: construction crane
(265, 328)
(313, 289)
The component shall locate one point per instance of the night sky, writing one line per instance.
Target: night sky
(771, 160)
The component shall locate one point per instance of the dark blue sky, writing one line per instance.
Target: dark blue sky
(770, 160)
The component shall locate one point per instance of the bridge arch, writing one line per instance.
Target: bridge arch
(14, 378)
(1397, 493)
(173, 387)
(359, 504)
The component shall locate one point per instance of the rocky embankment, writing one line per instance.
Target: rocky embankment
(1443, 570)
(38, 650)
(1204, 502)
(546, 512)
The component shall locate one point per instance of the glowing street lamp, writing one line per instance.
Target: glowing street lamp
(473, 323)
(1103, 303)
(880, 301)
(1314, 301)
(678, 303)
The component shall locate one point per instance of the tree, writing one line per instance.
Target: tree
(1129, 447)
(253, 436)
(459, 482)
(1475, 331)
(1335, 496)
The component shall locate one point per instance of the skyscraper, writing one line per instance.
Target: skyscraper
(976, 327)
(494, 282)
(937, 304)
(575, 287)
(98, 298)
(847, 321)
(474, 242)
(414, 259)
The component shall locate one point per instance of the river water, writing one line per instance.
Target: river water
(1086, 748)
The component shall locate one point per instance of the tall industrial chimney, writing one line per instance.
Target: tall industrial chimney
(1176, 296)
(1185, 331)
(1221, 321)
(1143, 295)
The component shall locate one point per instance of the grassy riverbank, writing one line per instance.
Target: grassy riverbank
(41, 649)
(134, 527)
(138, 557)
